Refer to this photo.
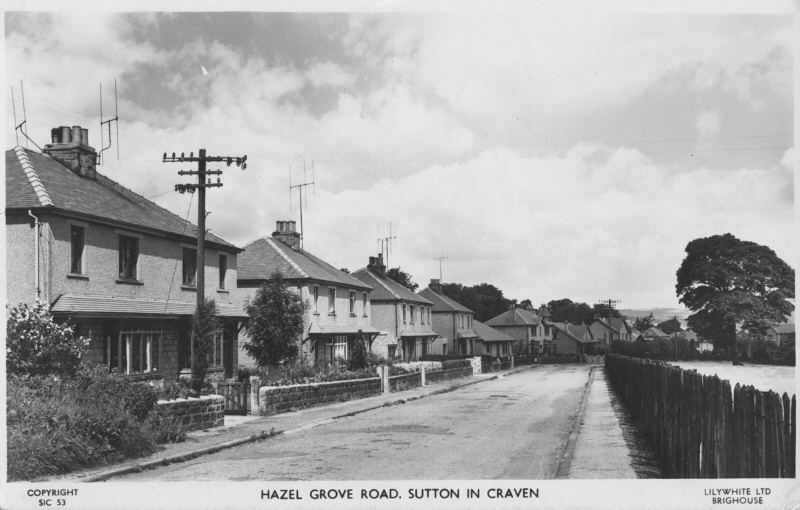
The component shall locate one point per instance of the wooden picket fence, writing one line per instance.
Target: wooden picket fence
(236, 396)
(702, 429)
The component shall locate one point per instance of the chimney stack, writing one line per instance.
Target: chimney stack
(285, 232)
(70, 147)
(377, 266)
(436, 285)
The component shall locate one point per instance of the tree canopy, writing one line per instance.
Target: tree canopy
(565, 310)
(402, 278)
(276, 323)
(642, 324)
(728, 282)
(670, 326)
(486, 300)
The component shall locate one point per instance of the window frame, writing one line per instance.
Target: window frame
(223, 270)
(315, 298)
(133, 241)
(184, 250)
(331, 300)
(81, 270)
(352, 295)
(364, 303)
(125, 344)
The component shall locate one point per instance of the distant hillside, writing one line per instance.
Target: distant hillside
(662, 314)
(659, 314)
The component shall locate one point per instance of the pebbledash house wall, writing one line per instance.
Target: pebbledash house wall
(20, 249)
(159, 275)
(445, 324)
(387, 316)
(246, 291)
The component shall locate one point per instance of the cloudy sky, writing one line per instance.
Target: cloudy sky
(552, 154)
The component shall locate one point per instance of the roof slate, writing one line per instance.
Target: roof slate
(264, 256)
(515, 317)
(102, 198)
(442, 303)
(117, 306)
(386, 289)
(489, 334)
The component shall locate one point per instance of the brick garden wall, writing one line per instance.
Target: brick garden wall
(280, 399)
(194, 413)
(446, 375)
(405, 381)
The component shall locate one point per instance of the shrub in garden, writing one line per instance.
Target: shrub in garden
(205, 326)
(358, 358)
(37, 345)
(276, 323)
(59, 425)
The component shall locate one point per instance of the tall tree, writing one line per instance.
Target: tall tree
(642, 324)
(484, 299)
(728, 282)
(402, 278)
(670, 326)
(565, 310)
(606, 311)
(276, 322)
(526, 303)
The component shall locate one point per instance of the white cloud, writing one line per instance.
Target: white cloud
(708, 123)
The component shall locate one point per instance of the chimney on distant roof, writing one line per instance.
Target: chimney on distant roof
(436, 285)
(70, 147)
(377, 266)
(285, 232)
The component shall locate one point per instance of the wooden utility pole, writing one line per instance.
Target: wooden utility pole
(202, 183)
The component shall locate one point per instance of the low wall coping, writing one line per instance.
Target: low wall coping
(310, 385)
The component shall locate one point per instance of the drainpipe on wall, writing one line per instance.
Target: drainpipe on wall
(36, 250)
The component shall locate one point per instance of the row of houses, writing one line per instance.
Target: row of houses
(124, 271)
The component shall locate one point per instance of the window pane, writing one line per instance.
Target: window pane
(223, 270)
(77, 240)
(331, 300)
(135, 342)
(128, 257)
(155, 350)
(189, 267)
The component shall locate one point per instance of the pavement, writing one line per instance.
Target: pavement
(596, 449)
(607, 446)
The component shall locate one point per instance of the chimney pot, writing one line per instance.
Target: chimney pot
(285, 233)
(71, 148)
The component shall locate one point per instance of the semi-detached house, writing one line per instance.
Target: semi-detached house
(403, 317)
(339, 305)
(119, 267)
(452, 321)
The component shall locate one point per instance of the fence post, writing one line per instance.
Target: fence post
(422, 375)
(512, 361)
(255, 384)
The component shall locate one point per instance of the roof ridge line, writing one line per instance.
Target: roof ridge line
(393, 293)
(33, 177)
(286, 257)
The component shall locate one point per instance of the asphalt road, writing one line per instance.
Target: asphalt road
(511, 428)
